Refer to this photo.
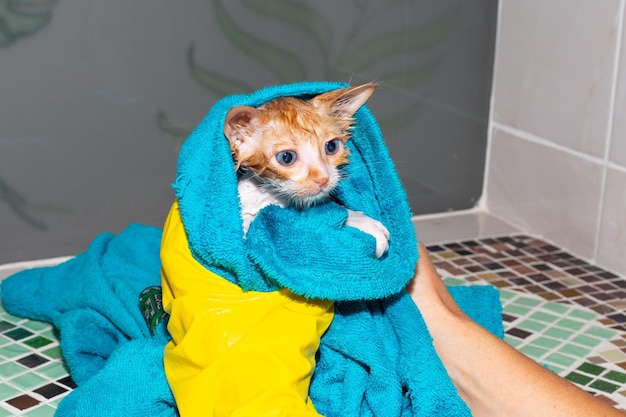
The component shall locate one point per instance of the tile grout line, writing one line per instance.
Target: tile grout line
(610, 128)
(533, 138)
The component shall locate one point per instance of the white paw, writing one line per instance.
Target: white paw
(371, 227)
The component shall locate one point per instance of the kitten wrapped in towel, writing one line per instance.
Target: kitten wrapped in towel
(256, 350)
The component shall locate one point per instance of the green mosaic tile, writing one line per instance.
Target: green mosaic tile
(586, 340)
(37, 342)
(528, 302)
(51, 334)
(616, 376)
(37, 326)
(516, 310)
(582, 314)
(7, 392)
(54, 370)
(559, 309)
(4, 340)
(53, 352)
(544, 317)
(570, 324)
(562, 360)
(453, 282)
(532, 325)
(512, 341)
(534, 352)
(559, 334)
(18, 334)
(12, 319)
(507, 295)
(601, 332)
(577, 351)
(13, 351)
(577, 378)
(41, 411)
(28, 381)
(6, 413)
(604, 386)
(590, 368)
(546, 342)
(9, 369)
(556, 369)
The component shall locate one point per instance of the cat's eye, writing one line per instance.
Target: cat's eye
(332, 146)
(286, 158)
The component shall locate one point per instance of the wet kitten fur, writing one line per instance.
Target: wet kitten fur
(289, 151)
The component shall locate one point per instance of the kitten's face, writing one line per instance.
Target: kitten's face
(295, 147)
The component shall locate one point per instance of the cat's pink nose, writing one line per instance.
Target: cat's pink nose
(321, 181)
(319, 177)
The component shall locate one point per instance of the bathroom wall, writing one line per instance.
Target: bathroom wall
(557, 154)
(96, 97)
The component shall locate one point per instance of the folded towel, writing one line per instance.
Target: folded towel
(376, 359)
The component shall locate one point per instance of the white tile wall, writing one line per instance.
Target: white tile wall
(557, 153)
(553, 72)
(523, 180)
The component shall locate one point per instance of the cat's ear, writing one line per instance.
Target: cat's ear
(239, 127)
(344, 102)
(240, 123)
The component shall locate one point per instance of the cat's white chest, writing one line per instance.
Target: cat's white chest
(253, 199)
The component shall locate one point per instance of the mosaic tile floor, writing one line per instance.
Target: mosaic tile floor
(33, 377)
(559, 310)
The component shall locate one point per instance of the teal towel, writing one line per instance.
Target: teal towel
(376, 359)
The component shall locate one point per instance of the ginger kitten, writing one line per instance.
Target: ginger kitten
(288, 152)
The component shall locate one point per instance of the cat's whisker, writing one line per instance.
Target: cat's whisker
(365, 166)
(345, 173)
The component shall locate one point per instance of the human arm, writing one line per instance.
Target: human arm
(492, 377)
